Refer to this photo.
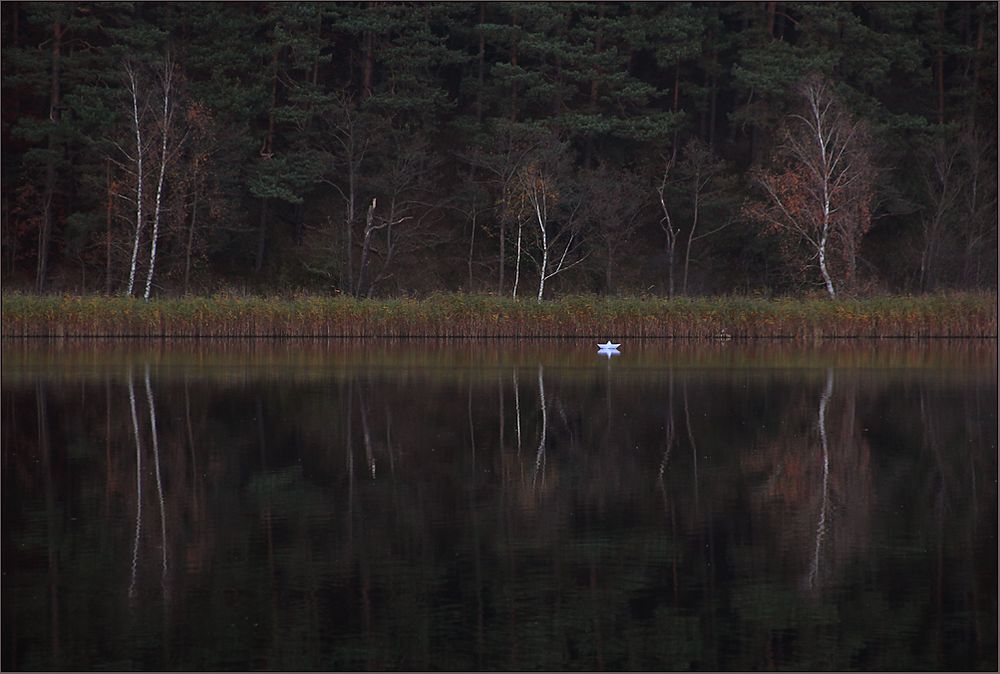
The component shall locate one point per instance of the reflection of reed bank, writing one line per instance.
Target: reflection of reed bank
(535, 514)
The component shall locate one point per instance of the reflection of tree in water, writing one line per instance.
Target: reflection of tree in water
(813, 485)
(636, 544)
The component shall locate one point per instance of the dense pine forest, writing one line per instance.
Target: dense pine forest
(387, 149)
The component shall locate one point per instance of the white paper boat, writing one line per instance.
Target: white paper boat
(607, 345)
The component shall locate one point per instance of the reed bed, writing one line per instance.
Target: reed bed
(485, 316)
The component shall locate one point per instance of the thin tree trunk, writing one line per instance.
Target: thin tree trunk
(107, 250)
(165, 120)
(517, 263)
(133, 88)
(365, 248)
(472, 244)
(667, 225)
(976, 68)
(190, 239)
(694, 226)
(481, 67)
(712, 115)
(824, 237)
(594, 87)
(351, 189)
(670, 268)
(940, 67)
(828, 282)
(45, 232)
(540, 206)
(369, 71)
(503, 261)
(513, 62)
(261, 237)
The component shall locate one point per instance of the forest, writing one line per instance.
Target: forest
(523, 149)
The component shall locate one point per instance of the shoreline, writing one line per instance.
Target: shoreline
(458, 316)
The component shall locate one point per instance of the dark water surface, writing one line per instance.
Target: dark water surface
(499, 505)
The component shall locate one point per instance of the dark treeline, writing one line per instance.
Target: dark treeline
(382, 149)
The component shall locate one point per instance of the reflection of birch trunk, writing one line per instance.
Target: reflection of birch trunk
(694, 448)
(821, 525)
(517, 413)
(668, 434)
(540, 456)
(156, 465)
(366, 432)
(138, 486)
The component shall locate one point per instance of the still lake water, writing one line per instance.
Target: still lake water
(499, 505)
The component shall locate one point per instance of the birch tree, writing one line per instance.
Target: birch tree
(818, 199)
(538, 188)
(132, 84)
(540, 196)
(510, 150)
(166, 123)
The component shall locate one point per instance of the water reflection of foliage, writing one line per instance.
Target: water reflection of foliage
(455, 553)
(460, 360)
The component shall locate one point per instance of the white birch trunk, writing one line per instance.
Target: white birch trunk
(130, 73)
(517, 263)
(825, 175)
(822, 266)
(159, 183)
(541, 214)
(165, 121)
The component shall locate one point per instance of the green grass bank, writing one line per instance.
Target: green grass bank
(457, 315)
